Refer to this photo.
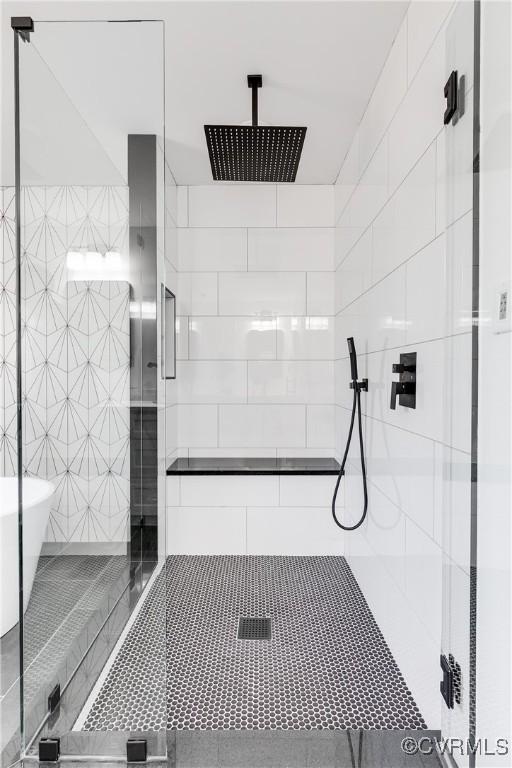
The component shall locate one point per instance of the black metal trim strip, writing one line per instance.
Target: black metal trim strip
(474, 381)
(19, 390)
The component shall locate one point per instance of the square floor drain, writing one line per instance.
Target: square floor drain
(254, 628)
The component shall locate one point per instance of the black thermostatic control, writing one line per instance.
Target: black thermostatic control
(405, 387)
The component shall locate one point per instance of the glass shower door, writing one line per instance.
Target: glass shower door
(91, 127)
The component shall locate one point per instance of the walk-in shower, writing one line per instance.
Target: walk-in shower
(180, 392)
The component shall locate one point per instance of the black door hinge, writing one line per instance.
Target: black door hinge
(446, 684)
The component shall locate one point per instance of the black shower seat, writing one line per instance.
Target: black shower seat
(256, 466)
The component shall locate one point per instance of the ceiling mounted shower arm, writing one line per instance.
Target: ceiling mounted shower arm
(254, 82)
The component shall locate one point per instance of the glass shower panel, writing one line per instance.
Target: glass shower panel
(91, 112)
(456, 220)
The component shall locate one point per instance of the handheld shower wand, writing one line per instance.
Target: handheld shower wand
(358, 387)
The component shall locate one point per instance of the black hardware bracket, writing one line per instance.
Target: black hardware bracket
(359, 386)
(23, 25)
(405, 387)
(49, 750)
(455, 95)
(136, 750)
(254, 82)
(446, 684)
(457, 678)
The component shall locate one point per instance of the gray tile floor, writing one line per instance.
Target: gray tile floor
(69, 595)
(327, 665)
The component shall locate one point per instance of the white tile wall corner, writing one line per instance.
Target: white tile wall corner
(305, 205)
(256, 305)
(403, 264)
(238, 205)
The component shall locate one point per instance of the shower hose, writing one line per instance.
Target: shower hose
(356, 406)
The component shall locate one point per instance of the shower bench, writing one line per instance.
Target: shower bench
(254, 466)
(253, 506)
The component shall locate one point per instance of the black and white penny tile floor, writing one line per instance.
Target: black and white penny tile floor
(326, 666)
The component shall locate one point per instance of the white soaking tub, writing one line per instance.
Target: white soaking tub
(37, 496)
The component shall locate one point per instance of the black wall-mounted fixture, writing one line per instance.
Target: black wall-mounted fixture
(450, 94)
(254, 152)
(405, 387)
(49, 750)
(455, 95)
(23, 25)
(446, 684)
(136, 750)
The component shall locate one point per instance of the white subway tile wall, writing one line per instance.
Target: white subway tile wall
(254, 515)
(255, 292)
(403, 255)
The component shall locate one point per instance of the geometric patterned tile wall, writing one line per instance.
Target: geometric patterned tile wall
(76, 357)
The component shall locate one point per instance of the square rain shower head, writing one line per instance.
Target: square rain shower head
(254, 152)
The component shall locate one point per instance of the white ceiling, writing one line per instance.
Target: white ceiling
(319, 61)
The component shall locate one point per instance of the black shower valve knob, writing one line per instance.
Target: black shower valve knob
(402, 368)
